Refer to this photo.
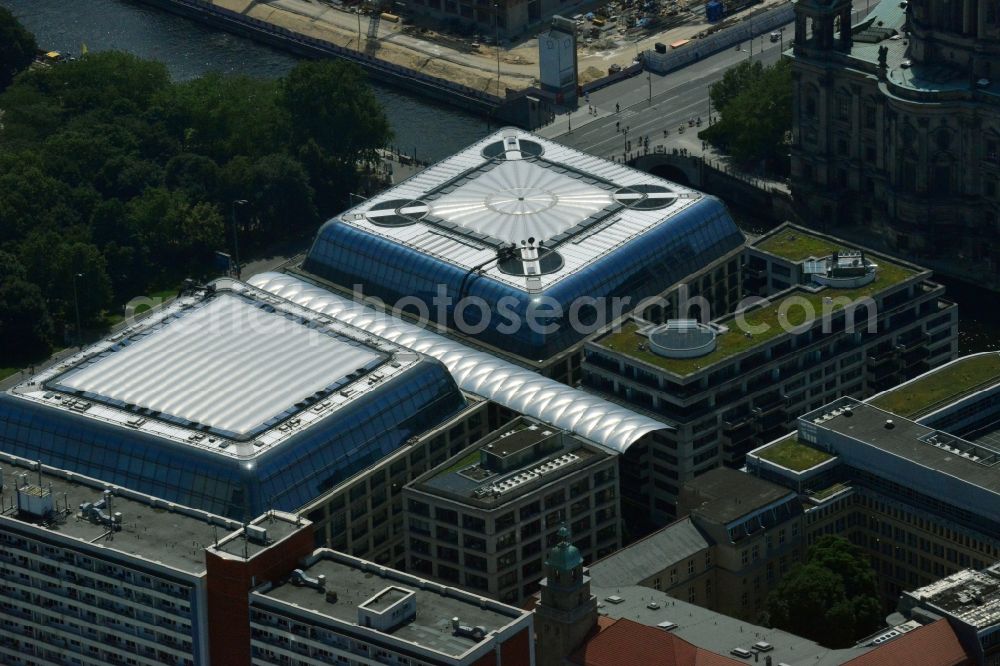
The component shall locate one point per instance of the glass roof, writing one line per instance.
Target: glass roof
(229, 365)
(518, 200)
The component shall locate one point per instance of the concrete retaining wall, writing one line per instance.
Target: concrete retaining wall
(431, 87)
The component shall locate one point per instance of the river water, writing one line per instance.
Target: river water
(429, 130)
(190, 49)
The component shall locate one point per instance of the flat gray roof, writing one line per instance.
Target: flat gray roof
(436, 604)
(649, 556)
(729, 494)
(277, 528)
(971, 596)
(910, 440)
(714, 631)
(150, 529)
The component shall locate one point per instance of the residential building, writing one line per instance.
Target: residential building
(230, 400)
(95, 574)
(483, 519)
(825, 321)
(738, 537)
(970, 601)
(522, 246)
(896, 129)
(908, 475)
(339, 609)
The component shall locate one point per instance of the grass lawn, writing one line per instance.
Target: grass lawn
(627, 340)
(462, 463)
(941, 385)
(794, 245)
(793, 454)
(7, 372)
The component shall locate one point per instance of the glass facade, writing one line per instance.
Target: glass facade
(642, 267)
(285, 477)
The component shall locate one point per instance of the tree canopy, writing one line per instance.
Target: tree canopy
(755, 107)
(17, 48)
(831, 598)
(112, 173)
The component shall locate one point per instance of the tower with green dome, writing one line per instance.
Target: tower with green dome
(567, 610)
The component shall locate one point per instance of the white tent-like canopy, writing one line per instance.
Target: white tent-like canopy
(525, 391)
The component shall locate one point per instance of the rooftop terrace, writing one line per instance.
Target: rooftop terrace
(627, 340)
(938, 387)
(791, 453)
(356, 581)
(508, 462)
(797, 244)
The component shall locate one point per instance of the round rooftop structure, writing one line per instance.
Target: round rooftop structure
(682, 338)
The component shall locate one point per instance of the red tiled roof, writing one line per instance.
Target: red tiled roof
(932, 645)
(628, 643)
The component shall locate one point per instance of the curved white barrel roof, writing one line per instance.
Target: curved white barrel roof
(523, 390)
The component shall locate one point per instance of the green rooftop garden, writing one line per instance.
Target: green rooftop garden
(796, 245)
(627, 340)
(468, 460)
(793, 454)
(830, 491)
(941, 386)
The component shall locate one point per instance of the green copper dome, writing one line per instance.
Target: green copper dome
(565, 556)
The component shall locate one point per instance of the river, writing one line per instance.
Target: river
(432, 131)
(190, 49)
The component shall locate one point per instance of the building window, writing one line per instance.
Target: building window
(843, 107)
(870, 116)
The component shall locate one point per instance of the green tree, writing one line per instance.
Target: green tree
(17, 48)
(756, 116)
(734, 81)
(831, 598)
(329, 102)
(26, 329)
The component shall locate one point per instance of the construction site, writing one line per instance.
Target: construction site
(485, 45)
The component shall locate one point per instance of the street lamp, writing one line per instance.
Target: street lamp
(359, 28)
(496, 40)
(236, 235)
(76, 305)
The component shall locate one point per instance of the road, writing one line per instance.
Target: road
(676, 98)
(651, 103)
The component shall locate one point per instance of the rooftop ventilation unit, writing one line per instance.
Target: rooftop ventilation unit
(257, 534)
(300, 579)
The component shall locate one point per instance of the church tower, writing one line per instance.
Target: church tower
(830, 21)
(567, 610)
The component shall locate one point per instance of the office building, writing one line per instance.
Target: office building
(484, 519)
(738, 537)
(825, 321)
(511, 390)
(342, 610)
(522, 246)
(970, 601)
(229, 400)
(896, 129)
(908, 475)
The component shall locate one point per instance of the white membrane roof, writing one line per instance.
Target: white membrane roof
(525, 391)
(518, 200)
(512, 186)
(227, 364)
